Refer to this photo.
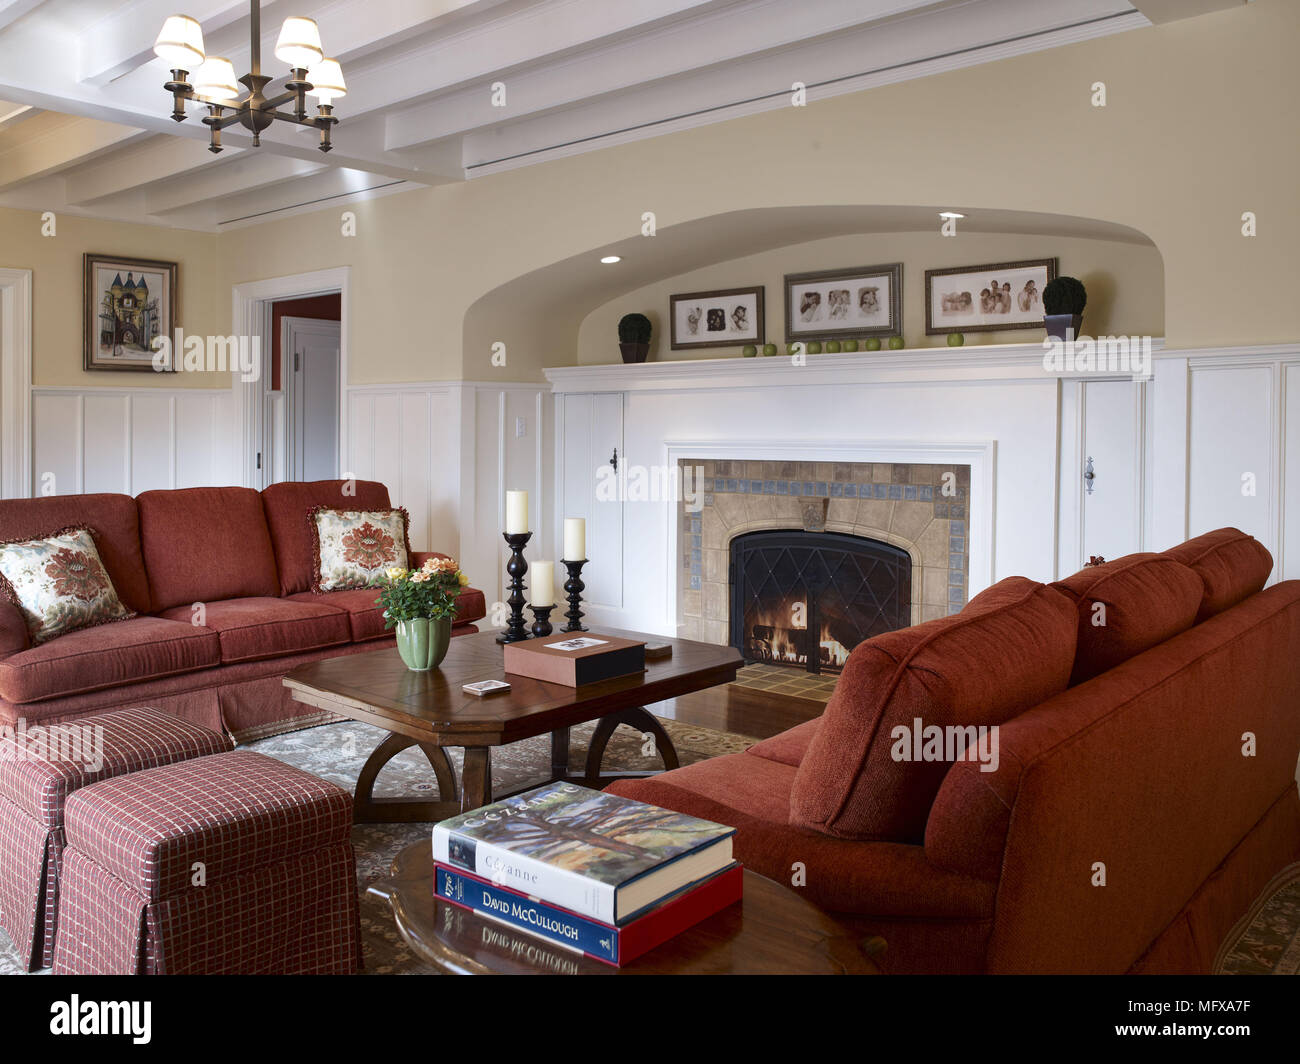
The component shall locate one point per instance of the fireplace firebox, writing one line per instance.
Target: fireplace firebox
(806, 599)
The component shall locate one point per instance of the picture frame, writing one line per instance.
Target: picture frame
(128, 304)
(728, 317)
(860, 301)
(957, 299)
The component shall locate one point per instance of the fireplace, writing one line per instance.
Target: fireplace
(806, 599)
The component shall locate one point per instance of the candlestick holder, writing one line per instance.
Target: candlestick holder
(516, 567)
(573, 588)
(541, 621)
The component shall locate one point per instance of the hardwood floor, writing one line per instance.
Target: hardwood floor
(742, 710)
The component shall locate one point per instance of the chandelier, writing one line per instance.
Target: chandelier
(310, 73)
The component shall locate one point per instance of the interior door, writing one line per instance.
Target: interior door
(593, 456)
(311, 372)
(1113, 440)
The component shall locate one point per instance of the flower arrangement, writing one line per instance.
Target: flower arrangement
(427, 592)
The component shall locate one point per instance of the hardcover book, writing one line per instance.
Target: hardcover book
(595, 854)
(575, 658)
(605, 942)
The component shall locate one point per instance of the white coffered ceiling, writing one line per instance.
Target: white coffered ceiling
(84, 124)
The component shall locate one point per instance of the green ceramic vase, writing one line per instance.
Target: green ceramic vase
(423, 642)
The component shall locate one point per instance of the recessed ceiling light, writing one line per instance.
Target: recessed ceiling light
(950, 214)
(607, 259)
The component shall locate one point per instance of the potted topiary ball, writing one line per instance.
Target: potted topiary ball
(634, 337)
(1063, 301)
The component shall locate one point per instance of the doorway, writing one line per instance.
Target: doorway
(293, 418)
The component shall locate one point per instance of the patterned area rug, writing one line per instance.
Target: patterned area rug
(337, 751)
(1267, 941)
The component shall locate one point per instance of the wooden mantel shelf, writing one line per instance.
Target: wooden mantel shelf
(1003, 362)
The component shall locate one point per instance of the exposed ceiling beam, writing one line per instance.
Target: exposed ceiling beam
(246, 174)
(12, 10)
(157, 159)
(65, 142)
(1159, 11)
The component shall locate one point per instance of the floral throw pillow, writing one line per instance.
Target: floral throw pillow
(59, 584)
(356, 548)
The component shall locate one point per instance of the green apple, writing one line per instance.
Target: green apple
(850, 345)
(873, 343)
(814, 347)
(832, 347)
(769, 350)
(749, 350)
(956, 339)
(895, 343)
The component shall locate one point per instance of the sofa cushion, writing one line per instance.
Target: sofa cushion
(59, 584)
(1128, 606)
(356, 548)
(366, 620)
(253, 628)
(108, 655)
(1009, 649)
(789, 747)
(1232, 566)
(204, 545)
(112, 518)
(287, 506)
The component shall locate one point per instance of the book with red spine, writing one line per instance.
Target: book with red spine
(615, 945)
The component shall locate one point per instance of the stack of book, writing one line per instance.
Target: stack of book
(603, 875)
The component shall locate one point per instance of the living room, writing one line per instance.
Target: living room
(490, 304)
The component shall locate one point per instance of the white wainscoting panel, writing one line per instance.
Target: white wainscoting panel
(131, 440)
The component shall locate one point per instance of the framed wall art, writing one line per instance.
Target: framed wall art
(129, 304)
(844, 304)
(1001, 295)
(726, 318)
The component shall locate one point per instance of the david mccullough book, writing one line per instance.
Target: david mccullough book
(594, 854)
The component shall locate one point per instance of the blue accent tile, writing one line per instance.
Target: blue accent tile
(783, 487)
(895, 491)
(879, 491)
(956, 561)
(957, 543)
(695, 540)
(796, 488)
(696, 555)
(957, 528)
(909, 491)
(708, 483)
(927, 493)
(696, 569)
(957, 509)
(809, 488)
(955, 595)
(756, 487)
(953, 610)
(837, 491)
(742, 486)
(850, 491)
(695, 582)
(769, 487)
(956, 578)
(731, 484)
(941, 509)
(822, 490)
(708, 500)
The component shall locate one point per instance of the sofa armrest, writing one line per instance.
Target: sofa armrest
(418, 557)
(13, 629)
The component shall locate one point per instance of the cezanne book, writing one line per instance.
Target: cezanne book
(595, 854)
(613, 945)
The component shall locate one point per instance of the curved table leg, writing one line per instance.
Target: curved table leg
(642, 721)
(369, 809)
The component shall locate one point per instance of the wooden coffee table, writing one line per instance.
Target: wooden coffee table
(429, 710)
(771, 931)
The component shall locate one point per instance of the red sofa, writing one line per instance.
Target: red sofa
(246, 556)
(1145, 783)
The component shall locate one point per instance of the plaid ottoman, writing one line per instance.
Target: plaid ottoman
(234, 863)
(39, 768)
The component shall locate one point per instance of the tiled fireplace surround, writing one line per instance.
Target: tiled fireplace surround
(899, 503)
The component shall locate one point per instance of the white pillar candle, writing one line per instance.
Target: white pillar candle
(543, 574)
(575, 539)
(516, 511)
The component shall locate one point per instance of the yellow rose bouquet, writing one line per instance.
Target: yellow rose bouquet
(427, 592)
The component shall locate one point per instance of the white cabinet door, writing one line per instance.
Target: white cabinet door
(592, 427)
(311, 351)
(1113, 438)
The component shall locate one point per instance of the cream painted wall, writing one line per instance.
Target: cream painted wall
(56, 265)
(1200, 126)
(1125, 285)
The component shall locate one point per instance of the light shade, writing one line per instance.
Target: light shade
(180, 43)
(327, 82)
(216, 78)
(299, 43)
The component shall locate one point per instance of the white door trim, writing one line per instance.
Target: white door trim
(248, 318)
(15, 383)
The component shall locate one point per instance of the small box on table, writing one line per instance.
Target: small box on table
(575, 658)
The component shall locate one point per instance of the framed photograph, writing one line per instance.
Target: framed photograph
(129, 303)
(1002, 295)
(844, 304)
(716, 319)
